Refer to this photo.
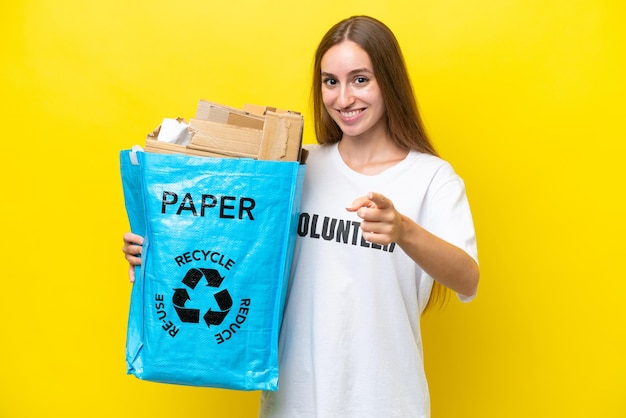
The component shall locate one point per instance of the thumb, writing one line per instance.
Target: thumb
(131, 274)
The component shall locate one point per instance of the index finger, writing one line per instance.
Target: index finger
(358, 203)
(379, 200)
(130, 238)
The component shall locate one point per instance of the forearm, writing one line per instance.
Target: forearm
(444, 262)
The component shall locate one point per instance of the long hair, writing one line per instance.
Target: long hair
(404, 123)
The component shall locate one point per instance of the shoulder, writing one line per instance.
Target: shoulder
(315, 150)
(433, 165)
(317, 154)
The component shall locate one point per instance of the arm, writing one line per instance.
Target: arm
(444, 262)
(132, 252)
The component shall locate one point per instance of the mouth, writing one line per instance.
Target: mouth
(350, 114)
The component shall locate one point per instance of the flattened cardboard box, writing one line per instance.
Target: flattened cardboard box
(257, 132)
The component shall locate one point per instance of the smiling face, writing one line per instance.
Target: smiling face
(350, 92)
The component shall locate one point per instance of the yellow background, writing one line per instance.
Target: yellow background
(524, 98)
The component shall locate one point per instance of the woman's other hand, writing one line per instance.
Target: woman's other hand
(132, 252)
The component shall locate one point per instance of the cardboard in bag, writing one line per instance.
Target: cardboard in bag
(257, 132)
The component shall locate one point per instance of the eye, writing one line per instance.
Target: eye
(329, 81)
(361, 80)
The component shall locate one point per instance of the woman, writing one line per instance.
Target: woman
(385, 224)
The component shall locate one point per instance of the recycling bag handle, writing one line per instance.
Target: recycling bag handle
(133, 154)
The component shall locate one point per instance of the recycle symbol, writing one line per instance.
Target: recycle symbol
(192, 315)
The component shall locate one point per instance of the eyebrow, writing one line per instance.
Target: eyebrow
(356, 71)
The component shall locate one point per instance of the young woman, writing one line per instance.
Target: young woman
(385, 229)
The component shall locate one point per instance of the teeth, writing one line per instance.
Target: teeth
(350, 113)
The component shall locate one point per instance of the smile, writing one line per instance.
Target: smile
(350, 114)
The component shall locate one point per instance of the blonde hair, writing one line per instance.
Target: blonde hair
(404, 122)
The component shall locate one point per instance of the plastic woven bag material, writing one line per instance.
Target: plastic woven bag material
(207, 302)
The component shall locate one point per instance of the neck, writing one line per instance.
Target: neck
(370, 156)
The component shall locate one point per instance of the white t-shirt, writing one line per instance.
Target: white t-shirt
(350, 344)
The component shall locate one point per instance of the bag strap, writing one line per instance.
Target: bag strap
(133, 154)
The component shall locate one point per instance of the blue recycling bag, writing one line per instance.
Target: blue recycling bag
(207, 302)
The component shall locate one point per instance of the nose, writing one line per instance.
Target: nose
(345, 97)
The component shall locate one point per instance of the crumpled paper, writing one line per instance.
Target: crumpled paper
(174, 131)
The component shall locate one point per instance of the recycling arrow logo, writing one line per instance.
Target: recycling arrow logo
(192, 315)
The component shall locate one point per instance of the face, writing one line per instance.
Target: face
(350, 92)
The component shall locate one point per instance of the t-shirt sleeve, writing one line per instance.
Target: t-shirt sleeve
(450, 215)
